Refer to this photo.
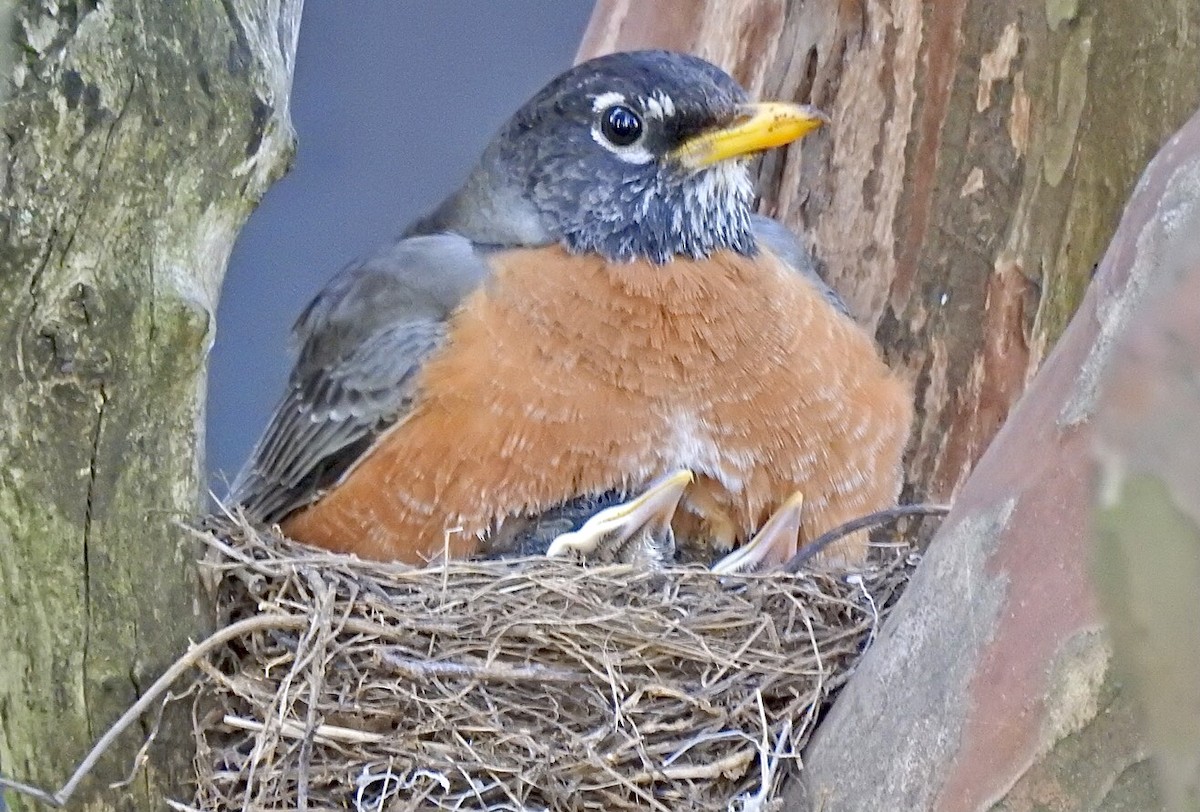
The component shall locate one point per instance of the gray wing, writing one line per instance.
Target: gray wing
(791, 249)
(361, 343)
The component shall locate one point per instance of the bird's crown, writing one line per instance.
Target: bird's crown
(633, 155)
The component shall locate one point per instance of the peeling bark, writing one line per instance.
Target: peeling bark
(992, 686)
(980, 156)
(139, 135)
(974, 172)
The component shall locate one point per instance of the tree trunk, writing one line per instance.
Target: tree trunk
(1147, 523)
(139, 135)
(992, 686)
(979, 156)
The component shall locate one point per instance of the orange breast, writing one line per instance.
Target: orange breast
(568, 375)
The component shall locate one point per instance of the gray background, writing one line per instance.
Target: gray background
(392, 102)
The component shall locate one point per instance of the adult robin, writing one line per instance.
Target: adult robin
(595, 308)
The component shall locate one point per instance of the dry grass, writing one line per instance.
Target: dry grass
(531, 684)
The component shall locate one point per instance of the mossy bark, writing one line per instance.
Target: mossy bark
(138, 136)
(1147, 523)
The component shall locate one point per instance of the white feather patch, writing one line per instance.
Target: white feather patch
(606, 100)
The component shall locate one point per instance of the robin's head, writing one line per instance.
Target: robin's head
(631, 155)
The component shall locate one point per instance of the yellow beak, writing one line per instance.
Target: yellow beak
(760, 127)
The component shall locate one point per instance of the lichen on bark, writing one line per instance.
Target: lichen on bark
(139, 135)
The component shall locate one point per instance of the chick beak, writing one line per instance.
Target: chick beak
(650, 512)
(758, 127)
(774, 544)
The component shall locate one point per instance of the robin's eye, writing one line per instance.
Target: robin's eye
(620, 125)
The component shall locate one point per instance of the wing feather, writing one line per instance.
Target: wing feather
(361, 344)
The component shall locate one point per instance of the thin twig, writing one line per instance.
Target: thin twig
(818, 545)
(424, 669)
(177, 669)
(292, 730)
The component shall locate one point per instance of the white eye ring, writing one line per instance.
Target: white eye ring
(633, 152)
(636, 154)
(607, 100)
(621, 126)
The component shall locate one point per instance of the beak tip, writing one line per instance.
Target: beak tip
(816, 117)
(759, 127)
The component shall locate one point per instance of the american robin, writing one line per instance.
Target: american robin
(596, 307)
(638, 529)
(633, 529)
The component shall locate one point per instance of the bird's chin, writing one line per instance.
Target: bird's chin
(676, 214)
(727, 180)
(718, 199)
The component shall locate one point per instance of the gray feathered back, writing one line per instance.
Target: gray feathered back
(360, 344)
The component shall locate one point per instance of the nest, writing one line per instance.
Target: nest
(521, 684)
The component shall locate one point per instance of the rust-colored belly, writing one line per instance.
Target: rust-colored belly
(567, 375)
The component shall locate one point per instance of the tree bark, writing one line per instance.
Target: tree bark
(1147, 522)
(139, 135)
(992, 686)
(978, 159)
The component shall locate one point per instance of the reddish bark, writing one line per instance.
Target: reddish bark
(978, 160)
(992, 686)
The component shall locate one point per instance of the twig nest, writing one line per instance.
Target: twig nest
(527, 684)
